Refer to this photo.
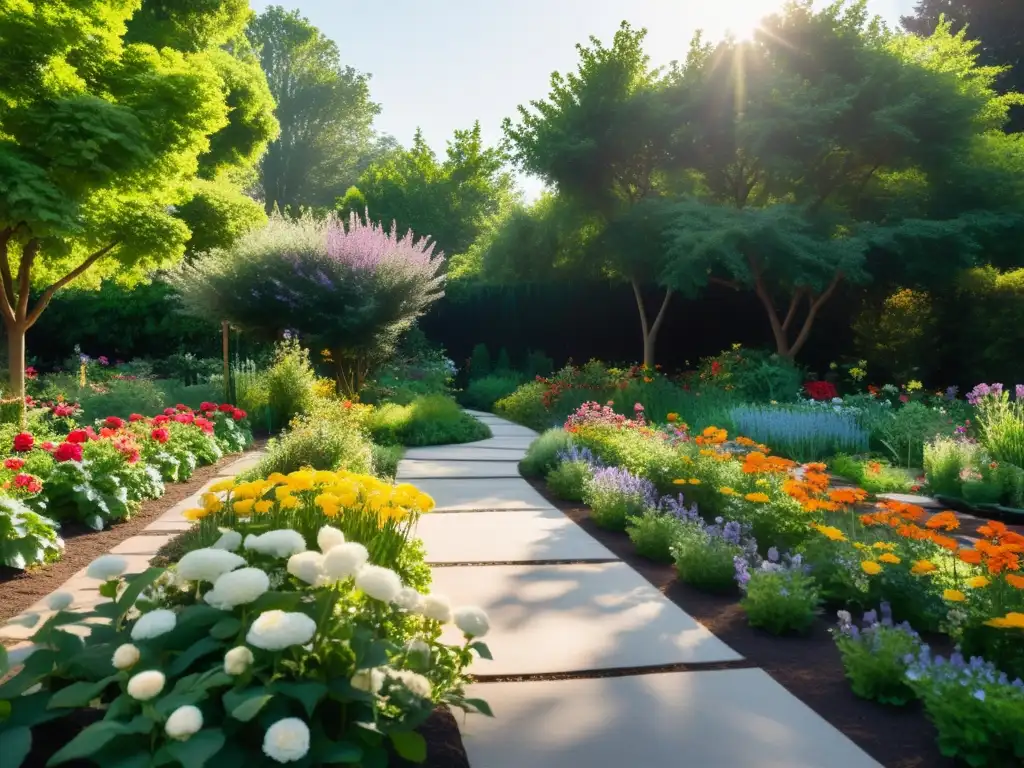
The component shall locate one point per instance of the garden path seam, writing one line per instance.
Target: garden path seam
(592, 664)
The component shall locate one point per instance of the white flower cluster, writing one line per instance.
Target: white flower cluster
(208, 564)
(280, 543)
(277, 630)
(287, 740)
(238, 588)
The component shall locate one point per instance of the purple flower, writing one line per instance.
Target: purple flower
(773, 554)
(1018, 392)
(952, 392)
(979, 392)
(369, 247)
(616, 479)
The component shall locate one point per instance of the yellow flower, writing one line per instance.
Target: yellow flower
(954, 595)
(977, 582)
(276, 478)
(1012, 620)
(300, 480)
(889, 557)
(923, 566)
(328, 504)
(830, 532)
(194, 514)
(860, 546)
(762, 482)
(760, 498)
(833, 366)
(693, 481)
(211, 502)
(264, 506)
(725, 490)
(870, 567)
(913, 385)
(424, 501)
(223, 485)
(243, 507)
(884, 545)
(323, 477)
(288, 502)
(282, 492)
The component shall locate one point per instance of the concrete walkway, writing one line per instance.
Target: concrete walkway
(567, 618)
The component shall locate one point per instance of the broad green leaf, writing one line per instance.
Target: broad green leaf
(226, 628)
(120, 708)
(482, 650)
(480, 706)
(79, 694)
(4, 665)
(15, 744)
(275, 601)
(136, 586)
(197, 748)
(374, 757)
(410, 745)
(94, 737)
(340, 752)
(245, 704)
(197, 650)
(36, 666)
(308, 693)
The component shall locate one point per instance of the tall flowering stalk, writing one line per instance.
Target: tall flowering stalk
(1000, 421)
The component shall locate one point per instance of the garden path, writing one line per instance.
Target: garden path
(592, 665)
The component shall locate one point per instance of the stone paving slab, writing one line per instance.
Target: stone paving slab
(142, 545)
(522, 442)
(499, 537)
(737, 718)
(418, 469)
(507, 429)
(467, 495)
(910, 498)
(172, 525)
(238, 466)
(464, 453)
(574, 618)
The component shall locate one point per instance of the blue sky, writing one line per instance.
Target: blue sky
(441, 64)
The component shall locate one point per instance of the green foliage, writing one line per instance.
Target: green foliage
(755, 375)
(26, 537)
(874, 661)
(118, 398)
(418, 368)
(542, 455)
(613, 505)
(872, 476)
(385, 460)
(652, 459)
(907, 430)
(479, 362)
(429, 420)
(524, 406)
(653, 534)
(290, 380)
(704, 561)
(896, 336)
(482, 394)
(781, 601)
(568, 478)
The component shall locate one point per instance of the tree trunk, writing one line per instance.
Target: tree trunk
(225, 345)
(16, 364)
(649, 331)
(780, 328)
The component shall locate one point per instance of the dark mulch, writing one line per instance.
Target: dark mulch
(809, 667)
(20, 589)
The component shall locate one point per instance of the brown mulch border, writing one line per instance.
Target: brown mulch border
(20, 589)
(808, 667)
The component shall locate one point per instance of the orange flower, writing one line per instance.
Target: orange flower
(847, 495)
(874, 467)
(889, 557)
(1015, 581)
(913, 532)
(816, 466)
(946, 542)
(673, 417)
(746, 442)
(1002, 560)
(971, 556)
(922, 567)
(870, 567)
(993, 529)
(761, 498)
(945, 521)
(814, 505)
(1011, 620)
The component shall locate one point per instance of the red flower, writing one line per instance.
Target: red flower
(63, 411)
(160, 434)
(23, 441)
(113, 422)
(904, 399)
(68, 452)
(821, 390)
(204, 424)
(206, 405)
(107, 432)
(161, 419)
(136, 417)
(77, 436)
(28, 482)
(184, 418)
(226, 407)
(47, 446)
(238, 414)
(14, 463)
(183, 408)
(169, 411)
(31, 373)
(348, 403)
(716, 368)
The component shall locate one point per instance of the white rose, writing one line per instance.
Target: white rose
(237, 660)
(328, 538)
(436, 607)
(238, 588)
(472, 621)
(229, 540)
(306, 566)
(344, 560)
(369, 680)
(126, 656)
(280, 543)
(276, 630)
(146, 685)
(106, 567)
(183, 722)
(379, 583)
(58, 601)
(286, 740)
(408, 599)
(154, 624)
(417, 684)
(208, 564)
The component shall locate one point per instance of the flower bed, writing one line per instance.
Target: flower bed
(95, 475)
(285, 639)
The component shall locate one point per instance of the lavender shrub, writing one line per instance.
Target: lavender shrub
(704, 554)
(778, 594)
(655, 531)
(614, 495)
(875, 656)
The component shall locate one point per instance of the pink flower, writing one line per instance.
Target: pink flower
(103, 360)
(184, 418)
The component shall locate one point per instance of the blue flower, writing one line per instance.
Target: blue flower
(979, 694)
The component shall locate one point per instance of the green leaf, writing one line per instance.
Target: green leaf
(308, 693)
(135, 587)
(340, 752)
(410, 745)
(195, 651)
(15, 744)
(4, 664)
(197, 748)
(79, 694)
(94, 737)
(245, 704)
(131, 760)
(120, 708)
(36, 666)
(275, 601)
(374, 757)
(480, 706)
(482, 649)
(226, 628)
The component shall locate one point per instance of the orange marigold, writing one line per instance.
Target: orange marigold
(1015, 581)
(971, 556)
(761, 498)
(992, 529)
(1003, 560)
(816, 466)
(889, 557)
(944, 521)
(946, 542)
(847, 495)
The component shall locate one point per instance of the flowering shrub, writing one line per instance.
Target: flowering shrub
(778, 594)
(614, 495)
(821, 390)
(803, 433)
(1000, 422)
(26, 537)
(655, 531)
(705, 554)
(875, 657)
(545, 452)
(262, 650)
(568, 479)
(977, 710)
(590, 414)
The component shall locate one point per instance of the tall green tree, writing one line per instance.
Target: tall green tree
(103, 140)
(605, 138)
(452, 200)
(324, 108)
(829, 151)
(998, 25)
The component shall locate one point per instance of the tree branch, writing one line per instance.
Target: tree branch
(5, 270)
(797, 295)
(28, 257)
(722, 281)
(816, 303)
(661, 313)
(44, 300)
(640, 305)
